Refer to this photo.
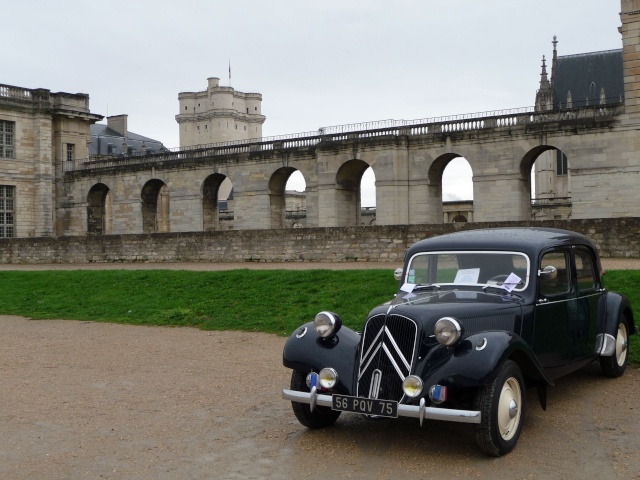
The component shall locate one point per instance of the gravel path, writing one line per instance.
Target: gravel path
(90, 400)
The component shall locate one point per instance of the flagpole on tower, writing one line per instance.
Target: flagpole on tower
(229, 72)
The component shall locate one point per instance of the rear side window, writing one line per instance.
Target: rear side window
(585, 270)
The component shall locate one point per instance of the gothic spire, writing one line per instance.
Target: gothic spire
(554, 62)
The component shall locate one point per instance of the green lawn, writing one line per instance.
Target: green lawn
(273, 301)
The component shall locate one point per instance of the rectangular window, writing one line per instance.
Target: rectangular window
(585, 270)
(7, 139)
(71, 152)
(561, 163)
(7, 211)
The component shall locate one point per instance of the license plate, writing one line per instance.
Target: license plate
(365, 406)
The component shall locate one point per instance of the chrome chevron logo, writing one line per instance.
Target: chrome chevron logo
(391, 349)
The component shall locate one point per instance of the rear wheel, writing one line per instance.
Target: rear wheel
(501, 404)
(616, 364)
(321, 416)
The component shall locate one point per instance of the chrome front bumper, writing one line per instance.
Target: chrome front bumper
(421, 411)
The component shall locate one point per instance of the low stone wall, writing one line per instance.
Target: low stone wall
(615, 237)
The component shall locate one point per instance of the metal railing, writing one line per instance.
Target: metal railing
(552, 201)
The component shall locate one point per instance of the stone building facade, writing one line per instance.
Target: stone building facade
(39, 132)
(595, 79)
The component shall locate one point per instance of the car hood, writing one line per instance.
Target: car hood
(476, 310)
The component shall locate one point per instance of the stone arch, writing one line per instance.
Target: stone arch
(278, 197)
(99, 210)
(459, 219)
(214, 187)
(435, 174)
(155, 206)
(348, 194)
(546, 174)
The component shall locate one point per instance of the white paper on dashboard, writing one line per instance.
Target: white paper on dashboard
(408, 287)
(511, 282)
(467, 275)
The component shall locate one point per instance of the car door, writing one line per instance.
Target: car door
(555, 311)
(590, 293)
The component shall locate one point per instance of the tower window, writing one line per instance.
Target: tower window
(561, 163)
(71, 152)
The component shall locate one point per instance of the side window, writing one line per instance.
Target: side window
(562, 282)
(585, 269)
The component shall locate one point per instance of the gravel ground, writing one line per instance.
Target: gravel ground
(92, 400)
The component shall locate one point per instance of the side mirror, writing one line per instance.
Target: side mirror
(548, 273)
(397, 274)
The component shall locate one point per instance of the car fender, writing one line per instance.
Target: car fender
(617, 305)
(475, 361)
(305, 351)
(613, 305)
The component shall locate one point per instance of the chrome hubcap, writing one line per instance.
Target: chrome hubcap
(513, 409)
(508, 408)
(621, 345)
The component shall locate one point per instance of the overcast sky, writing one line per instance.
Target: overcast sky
(321, 63)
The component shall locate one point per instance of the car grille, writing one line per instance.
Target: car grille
(386, 357)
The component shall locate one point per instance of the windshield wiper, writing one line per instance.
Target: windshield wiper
(502, 288)
(425, 286)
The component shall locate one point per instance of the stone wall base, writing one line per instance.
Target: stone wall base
(615, 237)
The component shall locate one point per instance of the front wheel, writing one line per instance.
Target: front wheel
(321, 416)
(615, 365)
(501, 404)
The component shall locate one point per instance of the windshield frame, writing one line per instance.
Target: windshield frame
(520, 288)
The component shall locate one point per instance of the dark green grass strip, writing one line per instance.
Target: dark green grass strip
(274, 301)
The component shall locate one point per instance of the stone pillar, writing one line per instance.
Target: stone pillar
(503, 197)
(630, 29)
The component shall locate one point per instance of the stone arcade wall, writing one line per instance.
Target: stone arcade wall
(615, 237)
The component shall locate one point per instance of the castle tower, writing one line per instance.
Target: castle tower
(630, 30)
(218, 114)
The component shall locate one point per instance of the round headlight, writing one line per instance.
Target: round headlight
(328, 377)
(412, 386)
(448, 331)
(327, 324)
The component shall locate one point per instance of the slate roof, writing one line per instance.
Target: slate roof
(102, 137)
(585, 74)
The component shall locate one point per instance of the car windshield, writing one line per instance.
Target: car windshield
(506, 269)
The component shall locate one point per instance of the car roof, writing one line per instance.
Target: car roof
(524, 239)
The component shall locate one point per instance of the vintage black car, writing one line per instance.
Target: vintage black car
(480, 315)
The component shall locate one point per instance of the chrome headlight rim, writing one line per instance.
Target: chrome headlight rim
(328, 378)
(448, 331)
(412, 386)
(327, 324)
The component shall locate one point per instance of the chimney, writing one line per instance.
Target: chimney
(118, 123)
